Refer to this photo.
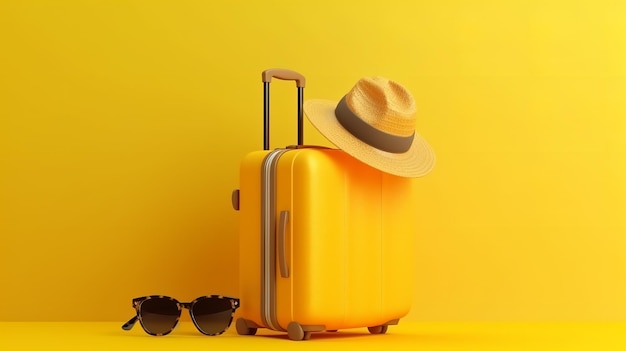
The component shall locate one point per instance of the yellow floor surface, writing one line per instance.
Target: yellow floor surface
(405, 336)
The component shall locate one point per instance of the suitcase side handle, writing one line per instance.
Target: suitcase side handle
(282, 247)
(284, 74)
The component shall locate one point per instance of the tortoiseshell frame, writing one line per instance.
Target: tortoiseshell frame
(188, 305)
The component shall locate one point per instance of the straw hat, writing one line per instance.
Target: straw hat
(375, 123)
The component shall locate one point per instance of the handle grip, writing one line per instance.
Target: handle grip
(282, 244)
(284, 74)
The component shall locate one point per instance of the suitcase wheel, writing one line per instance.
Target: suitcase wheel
(379, 329)
(295, 332)
(243, 328)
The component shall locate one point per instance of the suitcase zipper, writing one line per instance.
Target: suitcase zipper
(268, 240)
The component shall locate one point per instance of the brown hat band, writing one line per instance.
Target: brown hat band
(368, 134)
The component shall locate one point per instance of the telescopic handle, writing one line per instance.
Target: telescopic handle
(283, 74)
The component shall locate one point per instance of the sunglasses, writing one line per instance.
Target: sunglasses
(159, 314)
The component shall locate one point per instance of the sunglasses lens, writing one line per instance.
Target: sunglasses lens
(212, 315)
(159, 316)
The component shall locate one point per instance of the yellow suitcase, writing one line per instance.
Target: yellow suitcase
(325, 240)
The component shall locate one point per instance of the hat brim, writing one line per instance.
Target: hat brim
(418, 161)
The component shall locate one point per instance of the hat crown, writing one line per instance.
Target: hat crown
(384, 105)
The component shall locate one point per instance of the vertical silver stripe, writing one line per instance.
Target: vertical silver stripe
(265, 223)
(272, 234)
(268, 239)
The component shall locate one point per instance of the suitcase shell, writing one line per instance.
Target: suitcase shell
(325, 241)
(347, 242)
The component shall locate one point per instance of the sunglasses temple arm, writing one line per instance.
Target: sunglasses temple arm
(129, 325)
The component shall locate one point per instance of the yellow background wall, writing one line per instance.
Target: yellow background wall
(122, 124)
